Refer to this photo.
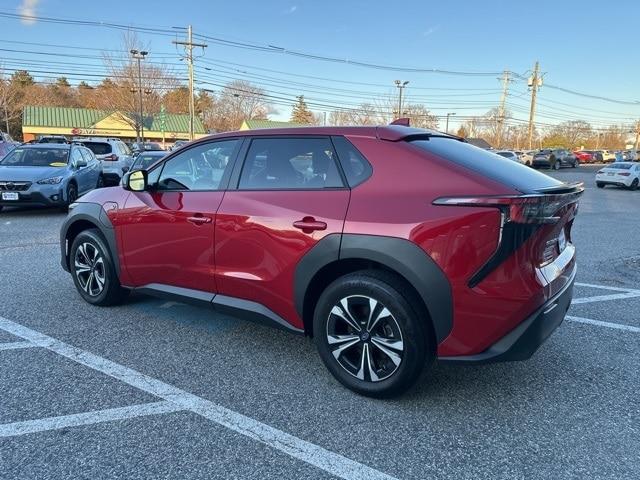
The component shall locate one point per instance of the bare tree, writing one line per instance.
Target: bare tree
(239, 101)
(122, 93)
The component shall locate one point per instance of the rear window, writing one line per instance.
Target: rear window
(620, 166)
(488, 164)
(98, 148)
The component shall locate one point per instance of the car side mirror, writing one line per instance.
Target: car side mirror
(81, 163)
(136, 181)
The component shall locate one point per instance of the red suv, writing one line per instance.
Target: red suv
(390, 246)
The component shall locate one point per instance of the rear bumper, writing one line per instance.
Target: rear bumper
(523, 341)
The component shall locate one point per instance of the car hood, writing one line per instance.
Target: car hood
(32, 174)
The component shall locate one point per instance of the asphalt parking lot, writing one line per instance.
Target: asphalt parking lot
(156, 389)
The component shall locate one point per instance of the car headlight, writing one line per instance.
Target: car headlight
(51, 181)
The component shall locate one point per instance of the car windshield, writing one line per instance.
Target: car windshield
(505, 154)
(98, 148)
(144, 161)
(36, 157)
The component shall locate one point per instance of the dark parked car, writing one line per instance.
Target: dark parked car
(47, 174)
(146, 159)
(390, 246)
(554, 158)
(53, 139)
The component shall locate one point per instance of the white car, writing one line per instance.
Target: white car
(622, 174)
(509, 154)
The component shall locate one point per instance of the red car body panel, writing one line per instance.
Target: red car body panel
(164, 240)
(258, 248)
(584, 157)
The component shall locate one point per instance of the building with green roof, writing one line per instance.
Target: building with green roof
(76, 122)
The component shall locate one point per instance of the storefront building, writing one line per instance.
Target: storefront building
(83, 122)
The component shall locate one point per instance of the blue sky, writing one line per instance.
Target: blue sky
(581, 45)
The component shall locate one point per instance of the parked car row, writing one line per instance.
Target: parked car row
(57, 173)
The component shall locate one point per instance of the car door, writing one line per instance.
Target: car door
(79, 171)
(167, 232)
(285, 197)
(93, 168)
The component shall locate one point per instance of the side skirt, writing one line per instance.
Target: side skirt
(232, 306)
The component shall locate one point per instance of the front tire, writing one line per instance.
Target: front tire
(72, 196)
(599, 184)
(369, 336)
(100, 183)
(93, 270)
(556, 166)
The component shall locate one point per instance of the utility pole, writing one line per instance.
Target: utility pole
(139, 56)
(401, 85)
(189, 49)
(635, 145)
(448, 114)
(535, 81)
(501, 109)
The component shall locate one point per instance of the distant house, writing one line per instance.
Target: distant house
(72, 122)
(479, 142)
(255, 124)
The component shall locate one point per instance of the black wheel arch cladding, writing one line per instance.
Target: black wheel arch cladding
(398, 255)
(89, 213)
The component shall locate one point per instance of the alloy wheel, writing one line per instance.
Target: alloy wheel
(365, 338)
(90, 269)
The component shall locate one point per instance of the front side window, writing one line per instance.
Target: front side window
(290, 164)
(198, 168)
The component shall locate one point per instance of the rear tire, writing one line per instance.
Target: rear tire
(93, 270)
(634, 184)
(379, 352)
(556, 166)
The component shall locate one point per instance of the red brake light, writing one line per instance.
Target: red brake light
(624, 174)
(112, 158)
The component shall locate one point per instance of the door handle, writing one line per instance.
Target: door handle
(309, 224)
(199, 220)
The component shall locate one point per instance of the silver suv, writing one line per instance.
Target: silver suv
(114, 155)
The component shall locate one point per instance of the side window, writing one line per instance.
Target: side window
(290, 163)
(198, 168)
(76, 156)
(87, 155)
(356, 168)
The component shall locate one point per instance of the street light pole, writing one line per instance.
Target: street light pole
(401, 85)
(448, 113)
(139, 56)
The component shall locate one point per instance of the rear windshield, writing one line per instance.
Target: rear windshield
(36, 157)
(505, 154)
(495, 167)
(620, 166)
(98, 148)
(144, 161)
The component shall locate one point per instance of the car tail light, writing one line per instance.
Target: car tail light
(112, 158)
(529, 208)
(624, 174)
(523, 216)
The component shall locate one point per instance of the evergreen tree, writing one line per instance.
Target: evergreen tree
(301, 113)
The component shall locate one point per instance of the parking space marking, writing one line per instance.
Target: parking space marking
(87, 418)
(600, 323)
(331, 462)
(604, 298)
(607, 287)
(16, 345)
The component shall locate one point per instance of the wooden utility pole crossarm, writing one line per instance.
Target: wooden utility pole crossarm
(188, 44)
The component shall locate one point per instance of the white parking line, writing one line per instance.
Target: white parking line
(16, 345)
(604, 298)
(607, 287)
(88, 418)
(310, 453)
(599, 323)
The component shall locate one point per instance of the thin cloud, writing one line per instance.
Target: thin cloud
(430, 30)
(28, 10)
(290, 10)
